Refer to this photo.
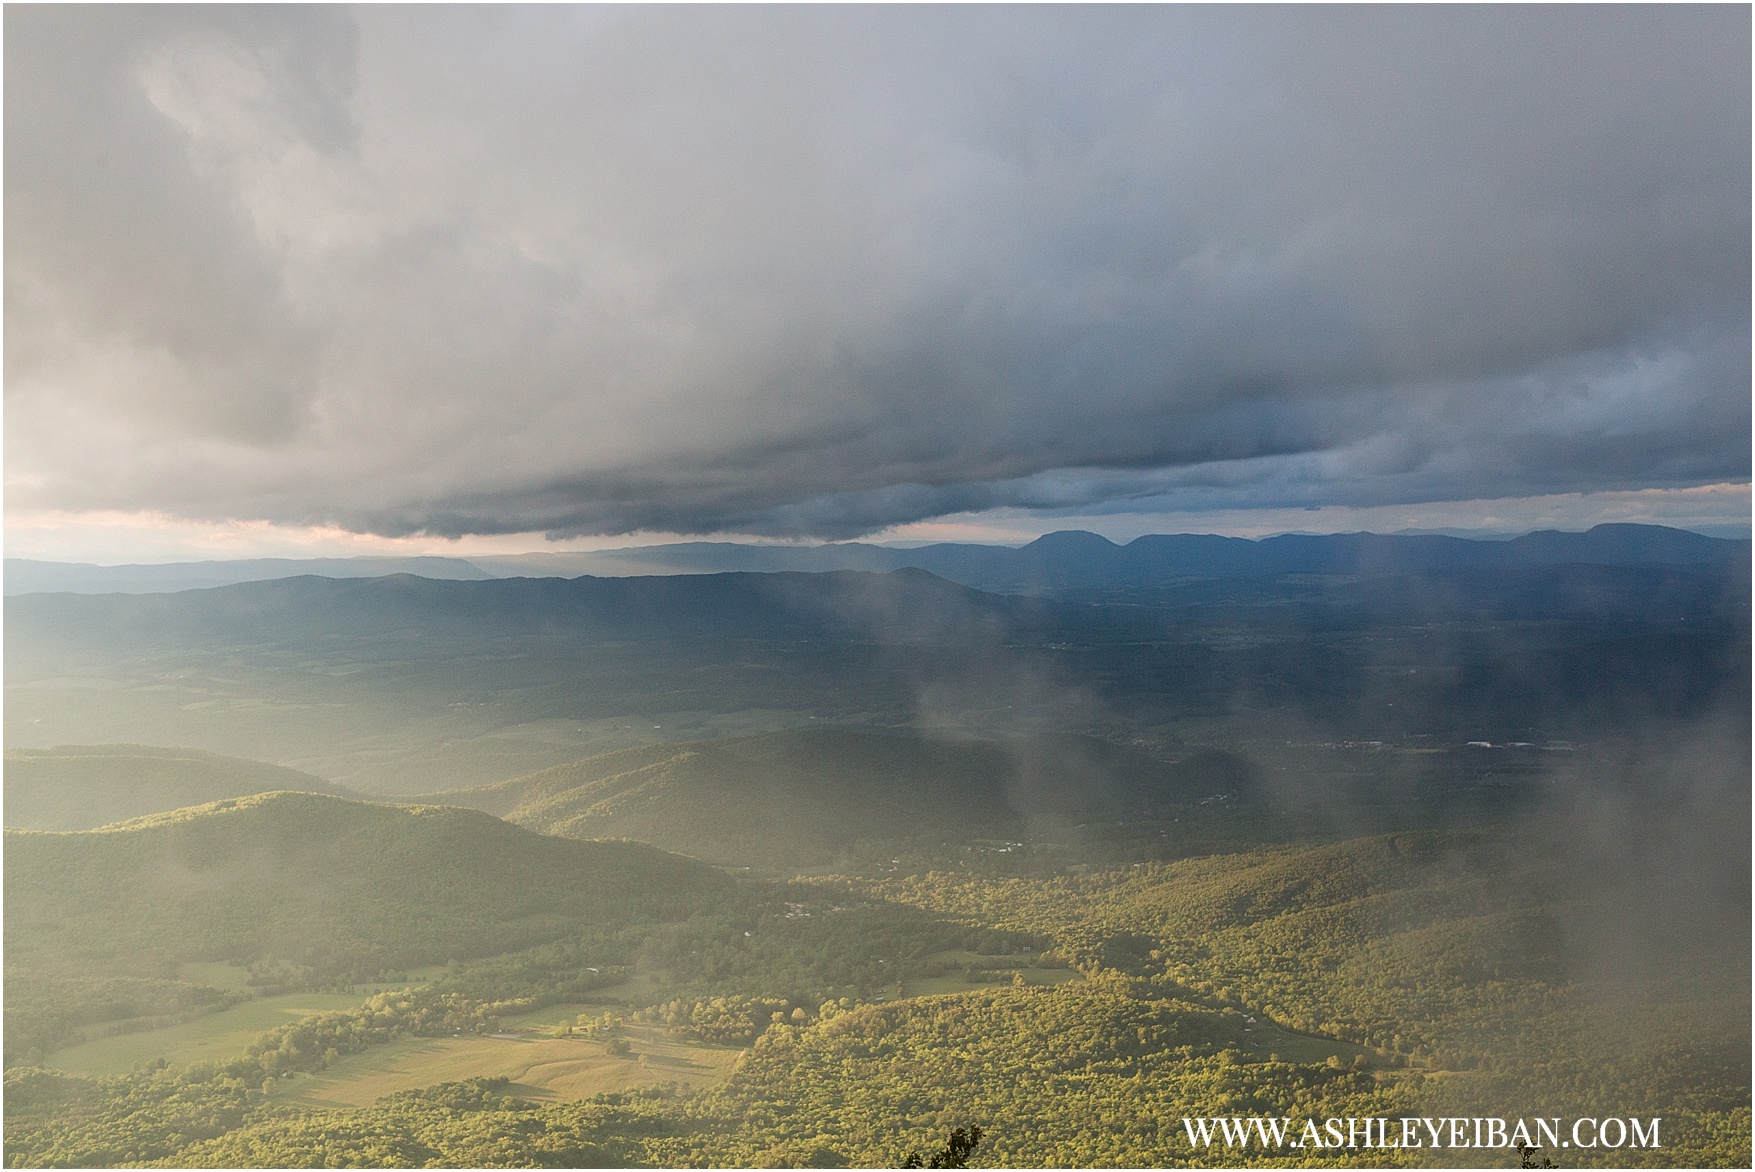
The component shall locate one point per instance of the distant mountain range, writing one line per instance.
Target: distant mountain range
(1068, 560)
(26, 576)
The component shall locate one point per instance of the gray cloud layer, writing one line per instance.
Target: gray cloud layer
(822, 270)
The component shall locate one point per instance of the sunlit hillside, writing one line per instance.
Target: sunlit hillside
(788, 800)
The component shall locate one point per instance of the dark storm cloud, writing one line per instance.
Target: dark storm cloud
(823, 270)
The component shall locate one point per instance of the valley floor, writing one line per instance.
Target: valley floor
(538, 1068)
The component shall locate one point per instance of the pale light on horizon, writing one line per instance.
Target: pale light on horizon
(110, 537)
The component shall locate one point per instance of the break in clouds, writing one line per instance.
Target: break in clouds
(822, 270)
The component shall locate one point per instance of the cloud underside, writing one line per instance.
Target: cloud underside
(821, 271)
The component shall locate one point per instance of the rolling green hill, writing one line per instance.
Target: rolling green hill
(323, 882)
(100, 925)
(803, 798)
(80, 787)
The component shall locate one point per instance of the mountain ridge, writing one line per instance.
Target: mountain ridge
(803, 797)
(339, 885)
(1068, 558)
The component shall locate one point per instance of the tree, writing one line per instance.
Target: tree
(1528, 1153)
(955, 1154)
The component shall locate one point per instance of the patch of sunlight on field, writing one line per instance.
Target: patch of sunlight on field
(993, 971)
(539, 1068)
(215, 1037)
(1266, 1038)
(642, 987)
(552, 1016)
(958, 983)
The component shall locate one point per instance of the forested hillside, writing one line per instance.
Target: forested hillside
(1530, 970)
(807, 798)
(319, 881)
(305, 889)
(405, 685)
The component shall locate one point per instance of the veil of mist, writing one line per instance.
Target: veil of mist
(81, 787)
(411, 685)
(821, 586)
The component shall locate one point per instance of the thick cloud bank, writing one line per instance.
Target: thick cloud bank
(805, 270)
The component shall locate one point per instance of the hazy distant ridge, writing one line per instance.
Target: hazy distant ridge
(80, 787)
(27, 576)
(797, 798)
(405, 684)
(1071, 559)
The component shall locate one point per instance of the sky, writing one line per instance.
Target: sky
(490, 279)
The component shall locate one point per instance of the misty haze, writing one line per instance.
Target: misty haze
(877, 587)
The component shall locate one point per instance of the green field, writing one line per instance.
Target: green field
(551, 1069)
(551, 1017)
(993, 972)
(212, 1038)
(1267, 1039)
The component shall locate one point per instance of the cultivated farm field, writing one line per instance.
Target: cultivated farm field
(541, 1068)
